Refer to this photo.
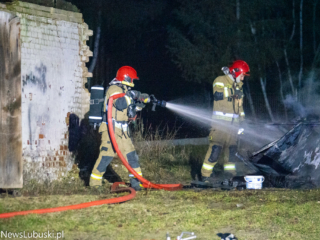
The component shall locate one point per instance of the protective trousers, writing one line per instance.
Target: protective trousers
(107, 153)
(222, 148)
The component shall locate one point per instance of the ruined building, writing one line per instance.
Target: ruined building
(43, 53)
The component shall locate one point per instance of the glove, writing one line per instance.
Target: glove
(140, 106)
(134, 94)
(238, 94)
(144, 98)
(240, 131)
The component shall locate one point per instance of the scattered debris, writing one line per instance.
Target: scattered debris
(227, 236)
(187, 238)
(192, 236)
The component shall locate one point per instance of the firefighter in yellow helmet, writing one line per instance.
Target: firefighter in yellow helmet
(227, 113)
(123, 111)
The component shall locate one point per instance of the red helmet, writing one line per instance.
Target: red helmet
(126, 75)
(239, 67)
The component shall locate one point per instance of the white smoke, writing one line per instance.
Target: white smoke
(307, 100)
(291, 102)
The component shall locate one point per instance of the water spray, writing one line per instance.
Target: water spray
(205, 117)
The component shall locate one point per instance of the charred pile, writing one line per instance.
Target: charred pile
(293, 160)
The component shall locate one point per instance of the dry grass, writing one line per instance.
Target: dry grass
(163, 162)
(68, 185)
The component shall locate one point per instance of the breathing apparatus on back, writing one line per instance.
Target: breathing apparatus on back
(96, 105)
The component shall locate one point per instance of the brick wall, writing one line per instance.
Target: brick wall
(53, 74)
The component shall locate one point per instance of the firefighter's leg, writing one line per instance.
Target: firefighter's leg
(128, 151)
(105, 157)
(213, 153)
(211, 159)
(230, 159)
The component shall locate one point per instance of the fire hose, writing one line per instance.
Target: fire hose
(145, 183)
(114, 189)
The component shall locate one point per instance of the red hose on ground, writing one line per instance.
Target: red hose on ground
(114, 189)
(146, 183)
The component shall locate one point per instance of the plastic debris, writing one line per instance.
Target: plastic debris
(227, 236)
(187, 238)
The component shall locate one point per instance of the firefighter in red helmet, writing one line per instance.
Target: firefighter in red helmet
(123, 111)
(227, 114)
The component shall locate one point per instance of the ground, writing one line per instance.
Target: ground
(261, 214)
(248, 214)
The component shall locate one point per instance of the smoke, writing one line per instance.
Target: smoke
(307, 100)
(291, 102)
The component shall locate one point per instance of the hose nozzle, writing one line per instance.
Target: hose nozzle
(161, 103)
(157, 102)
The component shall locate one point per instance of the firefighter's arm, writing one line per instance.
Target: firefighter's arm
(138, 96)
(130, 98)
(218, 90)
(122, 103)
(142, 100)
(119, 103)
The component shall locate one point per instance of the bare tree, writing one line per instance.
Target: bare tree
(314, 25)
(316, 54)
(263, 83)
(285, 48)
(248, 93)
(301, 45)
(238, 10)
(281, 91)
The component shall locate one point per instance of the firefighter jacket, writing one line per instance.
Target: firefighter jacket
(225, 106)
(120, 105)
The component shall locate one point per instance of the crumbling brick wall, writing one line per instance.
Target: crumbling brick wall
(53, 74)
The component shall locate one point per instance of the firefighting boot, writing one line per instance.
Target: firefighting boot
(95, 180)
(135, 184)
(213, 179)
(228, 175)
(205, 179)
